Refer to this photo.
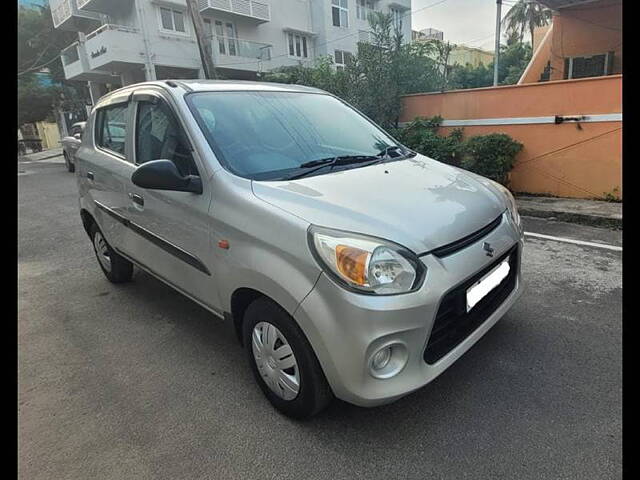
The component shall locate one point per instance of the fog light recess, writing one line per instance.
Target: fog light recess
(388, 361)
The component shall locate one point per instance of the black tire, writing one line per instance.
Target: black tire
(314, 392)
(70, 166)
(121, 269)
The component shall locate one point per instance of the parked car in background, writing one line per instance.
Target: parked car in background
(71, 144)
(349, 265)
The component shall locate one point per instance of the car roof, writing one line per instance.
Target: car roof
(212, 86)
(244, 85)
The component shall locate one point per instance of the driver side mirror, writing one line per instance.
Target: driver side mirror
(163, 175)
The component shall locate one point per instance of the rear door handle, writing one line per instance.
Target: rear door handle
(90, 175)
(137, 199)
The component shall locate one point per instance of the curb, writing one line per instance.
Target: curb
(581, 218)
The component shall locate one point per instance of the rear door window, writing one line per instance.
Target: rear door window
(112, 128)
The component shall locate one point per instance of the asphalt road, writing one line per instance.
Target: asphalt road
(136, 381)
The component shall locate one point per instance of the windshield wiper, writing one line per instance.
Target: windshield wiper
(315, 165)
(405, 152)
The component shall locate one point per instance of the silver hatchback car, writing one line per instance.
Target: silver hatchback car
(349, 265)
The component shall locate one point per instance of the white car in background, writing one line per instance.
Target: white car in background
(71, 144)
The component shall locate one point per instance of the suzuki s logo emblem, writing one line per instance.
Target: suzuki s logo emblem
(486, 246)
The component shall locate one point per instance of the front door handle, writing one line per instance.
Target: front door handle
(90, 175)
(137, 199)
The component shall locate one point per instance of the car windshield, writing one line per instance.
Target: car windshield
(275, 135)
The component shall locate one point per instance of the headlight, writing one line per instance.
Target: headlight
(511, 203)
(366, 264)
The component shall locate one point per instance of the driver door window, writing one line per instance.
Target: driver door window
(160, 136)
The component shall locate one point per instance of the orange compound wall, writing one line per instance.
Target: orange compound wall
(572, 159)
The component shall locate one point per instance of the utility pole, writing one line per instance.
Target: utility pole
(496, 55)
(204, 44)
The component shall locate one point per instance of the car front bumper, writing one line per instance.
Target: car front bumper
(346, 329)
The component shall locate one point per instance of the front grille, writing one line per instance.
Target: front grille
(453, 247)
(453, 324)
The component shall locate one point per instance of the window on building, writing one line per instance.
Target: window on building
(396, 14)
(340, 13)
(111, 128)
(160, 136)
(591, 66)
(363, 9)
(225, 33)
(172, 20)
(298, 45)
(342, 59)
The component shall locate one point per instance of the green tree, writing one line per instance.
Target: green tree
(34, 101)
(468, 76)
(39, 45)
(526, 15)
(514, 59)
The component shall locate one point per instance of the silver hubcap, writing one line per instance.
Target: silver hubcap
(275, 360)
(102, 251)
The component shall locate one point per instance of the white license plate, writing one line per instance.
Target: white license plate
(491, 280)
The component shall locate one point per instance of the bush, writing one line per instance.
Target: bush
(490, 155)
(421, 136)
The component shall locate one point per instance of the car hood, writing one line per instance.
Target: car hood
(418, 202)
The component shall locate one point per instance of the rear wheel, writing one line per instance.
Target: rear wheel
(283, 361)
(116, 268)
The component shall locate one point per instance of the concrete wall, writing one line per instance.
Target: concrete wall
(557, 159)
(49, 134)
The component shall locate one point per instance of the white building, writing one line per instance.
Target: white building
(427, 34)
(127, 41)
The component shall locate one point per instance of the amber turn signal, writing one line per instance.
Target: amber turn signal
(352, 263)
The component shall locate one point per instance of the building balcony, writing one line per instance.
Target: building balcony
(258, 11)
(67, 16)
(104, 53)
(103, 6)
(239, 54)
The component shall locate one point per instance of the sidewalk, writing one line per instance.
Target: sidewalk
(36, 157)
(575, 210)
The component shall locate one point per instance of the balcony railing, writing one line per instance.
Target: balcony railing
(61, 12)
(236, 47)
(67, 16)
(105, 50)
(108, 27)
(104, 6)
(70, 54)
(247, 8)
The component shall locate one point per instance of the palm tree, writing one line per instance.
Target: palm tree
(526, 15)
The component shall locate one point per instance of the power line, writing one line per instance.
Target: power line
(32, 69)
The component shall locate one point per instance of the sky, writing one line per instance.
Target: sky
(471, 22)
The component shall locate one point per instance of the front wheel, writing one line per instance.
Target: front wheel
(283, 362)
